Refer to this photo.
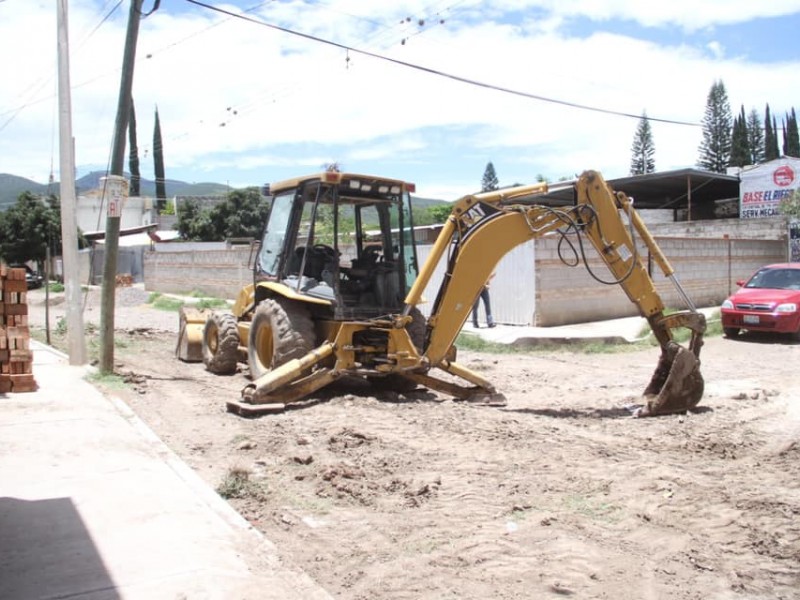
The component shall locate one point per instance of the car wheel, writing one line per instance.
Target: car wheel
(730, 332)
(221, 344)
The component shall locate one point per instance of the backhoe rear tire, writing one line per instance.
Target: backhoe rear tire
(281, 331)
(220, 344)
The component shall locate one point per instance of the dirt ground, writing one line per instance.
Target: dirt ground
(560, 493)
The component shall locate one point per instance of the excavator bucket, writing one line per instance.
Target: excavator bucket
(676, 386)
(190, 334)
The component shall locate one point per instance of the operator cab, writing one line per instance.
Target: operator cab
(343, 238)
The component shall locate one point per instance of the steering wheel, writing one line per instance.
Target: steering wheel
(326, 251)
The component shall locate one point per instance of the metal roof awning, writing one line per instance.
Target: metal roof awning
(93, 236)
(666, 189)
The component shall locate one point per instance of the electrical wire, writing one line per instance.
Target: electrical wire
(438, 73)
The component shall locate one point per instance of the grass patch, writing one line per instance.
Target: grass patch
(469, 341)
(237, 484)
(55, 286)
(167, 303)
(682, 334)
(108, 380)
(593, 509)
(162, 302)
(475, 343)
(211, 303)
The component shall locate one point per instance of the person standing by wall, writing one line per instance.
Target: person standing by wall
(487, 305)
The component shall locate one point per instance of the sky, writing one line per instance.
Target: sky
(428, 91)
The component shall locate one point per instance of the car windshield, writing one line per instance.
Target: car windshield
(776, 279)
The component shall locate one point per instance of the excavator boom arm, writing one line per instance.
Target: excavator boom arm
(483, 228)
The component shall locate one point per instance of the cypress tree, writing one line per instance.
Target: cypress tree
(785, 138)
(755, 137)
(158, 159)
(770, 137)
(791, 143)
(133, 157)
(489, 181)
(643, 149)
(740, 150)
(715, 148)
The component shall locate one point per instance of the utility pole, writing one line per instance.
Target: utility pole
(108, 290)
(69, 225)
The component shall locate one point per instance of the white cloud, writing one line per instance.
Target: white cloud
(239, 101)
(716, 49)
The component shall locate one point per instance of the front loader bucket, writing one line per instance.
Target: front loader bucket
(676, 386)
(190, 334)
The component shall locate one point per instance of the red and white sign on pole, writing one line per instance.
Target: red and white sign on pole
(115, 192)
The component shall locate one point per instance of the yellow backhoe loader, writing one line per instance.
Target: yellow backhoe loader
(336, 288)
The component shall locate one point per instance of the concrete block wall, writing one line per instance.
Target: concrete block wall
(772, 228)
(533, 286)
(215, 273)
(706, 268)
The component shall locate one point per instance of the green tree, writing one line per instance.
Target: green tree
(790, 205)
(755, 137)
(643, 150)
(439, 212)
(28, 227)
(243, 214)
(133, 155)
(740, 150)
(771, 151)
(791, 138)
(158, 159)
(715, 148)
(489, 181)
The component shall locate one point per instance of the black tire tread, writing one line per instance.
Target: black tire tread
(223, 361)
(292, 333)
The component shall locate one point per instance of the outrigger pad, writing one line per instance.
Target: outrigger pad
(190, 334)
(677, 385)
(245, 409)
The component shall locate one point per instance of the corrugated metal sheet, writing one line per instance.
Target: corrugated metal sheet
(512, 291)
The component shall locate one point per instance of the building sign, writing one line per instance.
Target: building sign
(763, 187)
(115, 192)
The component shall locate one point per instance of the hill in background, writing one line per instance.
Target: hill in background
(11, 186)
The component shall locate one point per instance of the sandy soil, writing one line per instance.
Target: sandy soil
(560, 493)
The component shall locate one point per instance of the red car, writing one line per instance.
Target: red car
(769, 301)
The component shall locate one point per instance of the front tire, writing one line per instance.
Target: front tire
(730, 332)
(281, 331)
(220, 344)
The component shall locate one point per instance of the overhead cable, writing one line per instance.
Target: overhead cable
(438, 73)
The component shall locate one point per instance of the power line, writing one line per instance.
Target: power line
(45, 79)
(438, 73)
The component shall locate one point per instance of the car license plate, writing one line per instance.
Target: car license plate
(750, 319)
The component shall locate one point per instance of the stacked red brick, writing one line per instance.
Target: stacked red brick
(16, 357)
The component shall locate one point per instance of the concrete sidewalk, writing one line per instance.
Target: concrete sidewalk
(94, 506)
(612, 331)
